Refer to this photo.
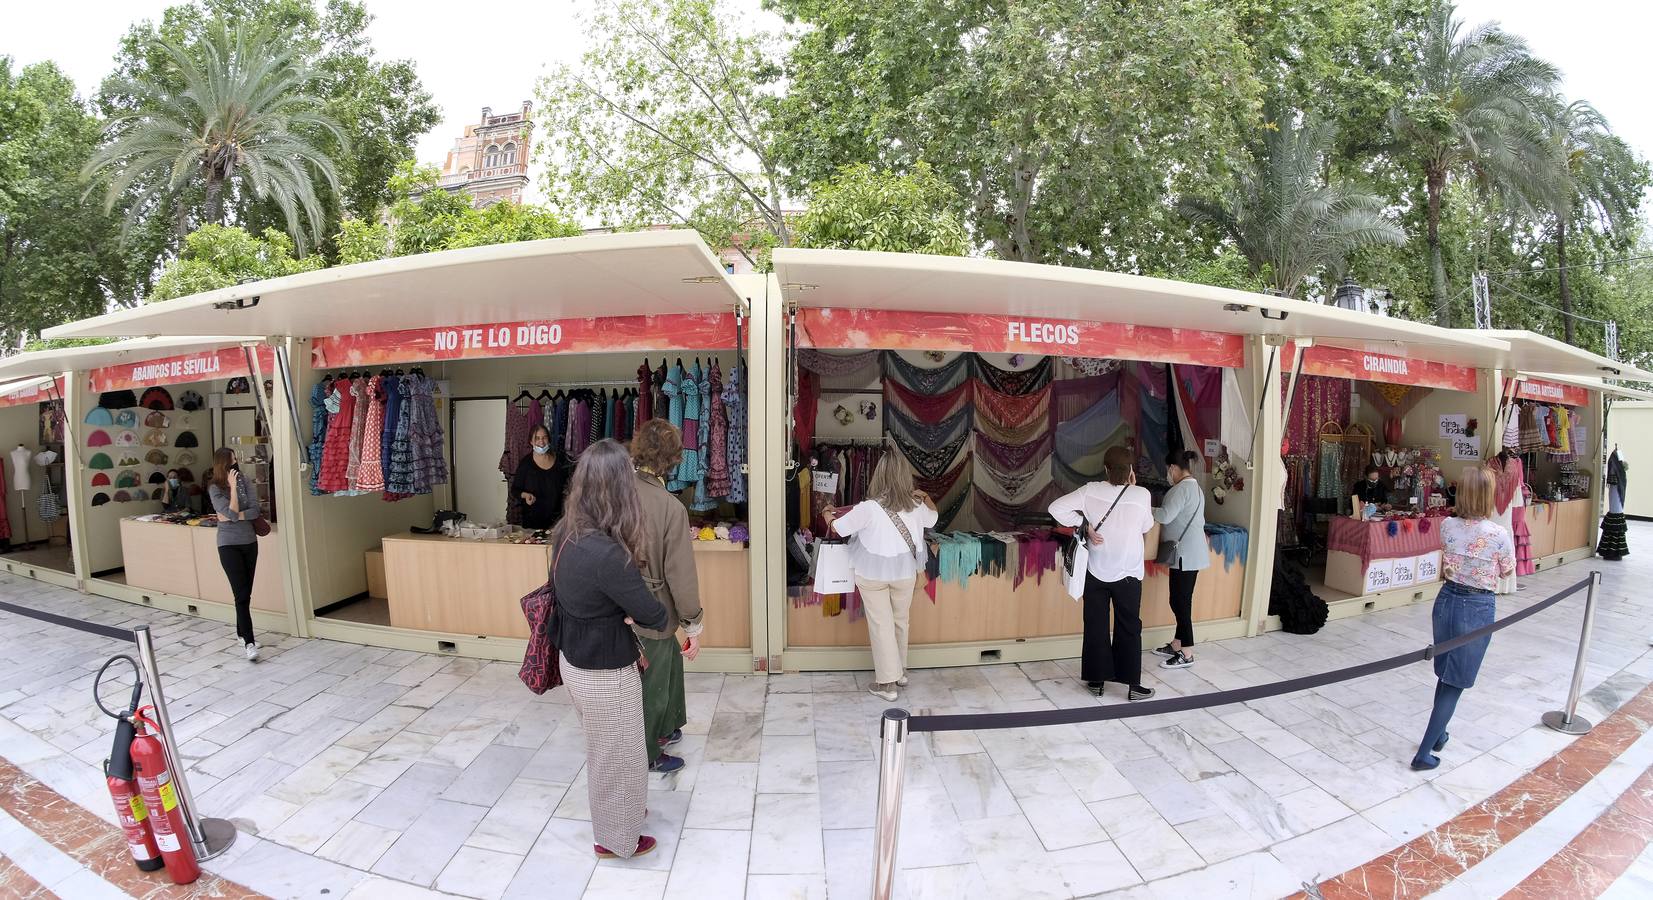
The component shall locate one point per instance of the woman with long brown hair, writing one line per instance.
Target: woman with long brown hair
(236, 504)
(539, 481)
(886, 552)
(670, 573)
(595, 553)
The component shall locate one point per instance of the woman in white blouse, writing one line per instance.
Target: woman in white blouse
(1182, 520)
(1112, 515)
(886, 533)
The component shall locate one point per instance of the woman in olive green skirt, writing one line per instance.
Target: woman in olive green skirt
(669, 571)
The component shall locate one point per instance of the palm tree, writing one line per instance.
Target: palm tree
(244, 122)
(1600, 180)
(1477, 107)
(1284, 216)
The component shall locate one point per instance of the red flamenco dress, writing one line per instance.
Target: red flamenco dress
(335, 457)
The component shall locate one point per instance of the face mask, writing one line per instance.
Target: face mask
(172, 481)
(542, 449)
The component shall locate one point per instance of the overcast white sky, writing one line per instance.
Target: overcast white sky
(1599, 44)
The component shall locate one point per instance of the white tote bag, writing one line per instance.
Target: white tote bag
(832, 570)
(1078, 565)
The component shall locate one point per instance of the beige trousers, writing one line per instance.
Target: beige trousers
(887, 604)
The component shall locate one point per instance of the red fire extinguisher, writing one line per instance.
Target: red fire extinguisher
(160, 797)
(130, 810)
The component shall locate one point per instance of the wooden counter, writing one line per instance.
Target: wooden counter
(991, 609)
(269, 577)
(160, 557)
(1557, 527)
(459, 586)
(182, 560)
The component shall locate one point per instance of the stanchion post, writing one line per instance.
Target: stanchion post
(892, 765)
(210, 837)
(1568, 721)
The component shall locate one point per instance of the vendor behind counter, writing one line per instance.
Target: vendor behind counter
(1369, 489)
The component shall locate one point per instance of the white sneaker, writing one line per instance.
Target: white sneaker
(252, 652)
(902, 681)
(883, 691)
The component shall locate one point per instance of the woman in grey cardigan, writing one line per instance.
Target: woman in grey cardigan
(236, 503)
(1182, 519)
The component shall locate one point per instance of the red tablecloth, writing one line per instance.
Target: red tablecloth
(1372, 540)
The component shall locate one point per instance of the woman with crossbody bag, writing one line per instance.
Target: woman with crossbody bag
(1182, 548)
(1113, 516)
(887, 551)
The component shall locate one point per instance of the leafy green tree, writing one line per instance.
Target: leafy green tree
(380, 105)
(60, 258)
(425, 218)
(245, 121)
(667, 119)
(864, 209)
(217, 256)
(1602, 186)
(1476, 109)
(1284, 217)
(1064, 125)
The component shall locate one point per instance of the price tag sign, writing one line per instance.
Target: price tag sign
(1454, 425)
(1466, 447)
(823, 482)
(1213, 448)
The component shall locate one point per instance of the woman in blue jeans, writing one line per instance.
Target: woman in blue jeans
(1475, 553)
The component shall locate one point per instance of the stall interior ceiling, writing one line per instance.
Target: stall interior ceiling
(593, 276)
(961, 286)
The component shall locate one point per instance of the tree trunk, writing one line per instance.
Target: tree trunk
(1561, 276)
(215, 197)
(1437, 265)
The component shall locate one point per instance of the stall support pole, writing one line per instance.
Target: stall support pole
(892, 763)
(1568, 721)
(210, 837)
(1265, 484)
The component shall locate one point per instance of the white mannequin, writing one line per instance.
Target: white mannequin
(20, 468)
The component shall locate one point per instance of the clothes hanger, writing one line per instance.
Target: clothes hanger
(522, 396)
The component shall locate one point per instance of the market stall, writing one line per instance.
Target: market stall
(34, 524)
(1002, 384)
(453, 357)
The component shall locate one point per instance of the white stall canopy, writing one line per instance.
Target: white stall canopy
(852, 279)
(1592, 384)
(57, 361)
(1531, 352)
(628, 274)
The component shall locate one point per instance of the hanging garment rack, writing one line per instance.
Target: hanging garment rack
(576, 385)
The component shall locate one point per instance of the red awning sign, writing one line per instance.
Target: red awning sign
(618, 334)
(36, 392)
(1363, 365)
(859, 329)
(229, 362)
(1551, 392)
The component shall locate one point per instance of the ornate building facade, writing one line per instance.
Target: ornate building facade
(490, 162)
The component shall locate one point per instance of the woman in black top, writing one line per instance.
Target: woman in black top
(1368, 490)
(539, 482)
(595, 552)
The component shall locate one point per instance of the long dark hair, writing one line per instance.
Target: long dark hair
(222, 459)
(539, 430)
(602, 499)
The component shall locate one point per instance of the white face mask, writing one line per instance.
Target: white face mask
(542, 449)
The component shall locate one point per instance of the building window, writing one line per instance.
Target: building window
(510, 155)
(491, 157)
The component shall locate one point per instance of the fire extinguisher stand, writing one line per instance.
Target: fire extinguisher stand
(210, 837)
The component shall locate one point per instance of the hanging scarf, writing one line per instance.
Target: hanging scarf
(1091, 367)
(1509, 478)
(836, 365)
(1015, 489)
(1229, 541)
(928, 437)
(999, 515)
(939, 380)
(943, 485)
(1010, 411)
(1006, 381)
(1030, 430)
(929, 463)
(1040, 553)
(1015, 458)
(925, 407)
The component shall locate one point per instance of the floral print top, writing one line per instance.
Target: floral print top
(1476, 552)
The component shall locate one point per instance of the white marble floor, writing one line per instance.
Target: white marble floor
(373, 772)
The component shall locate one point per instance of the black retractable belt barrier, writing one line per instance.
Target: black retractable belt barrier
(108, 631)
(1073, 716)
